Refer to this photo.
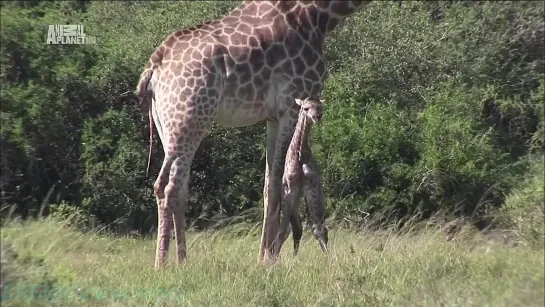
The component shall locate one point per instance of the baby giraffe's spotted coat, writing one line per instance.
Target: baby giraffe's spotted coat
(301, 175)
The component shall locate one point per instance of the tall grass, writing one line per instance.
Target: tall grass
(423, 267)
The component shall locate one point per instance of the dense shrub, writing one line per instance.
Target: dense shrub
(430, 105)
(113, 161)
(524, 210)
(460, 164)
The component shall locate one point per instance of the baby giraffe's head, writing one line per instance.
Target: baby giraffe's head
(313, 108)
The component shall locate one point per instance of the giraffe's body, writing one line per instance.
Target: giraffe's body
(301, 176)
(242, 69)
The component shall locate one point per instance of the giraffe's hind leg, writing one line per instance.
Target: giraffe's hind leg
(172, 194)
(164, 214)
(181, 140)
(180, 170)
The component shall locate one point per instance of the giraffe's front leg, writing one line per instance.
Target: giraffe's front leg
(272, 131)
(286, 127)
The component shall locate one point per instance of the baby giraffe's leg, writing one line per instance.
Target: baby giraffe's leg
(290, 192)
(295, 223)
(296, 226)
(314, 195)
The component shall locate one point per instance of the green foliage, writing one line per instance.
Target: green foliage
(44, 101)
(459, 165)
(368, 156)
(524, 210)
(430, 105)
(537, 141)
(24, 270)
(468, 86)
(71, 215)
(113, 161)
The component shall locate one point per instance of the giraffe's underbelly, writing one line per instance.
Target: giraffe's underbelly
(236, 112)
(233, 113)
(238, 108)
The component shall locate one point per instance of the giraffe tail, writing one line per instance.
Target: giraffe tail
(150, 139)
(142, 90)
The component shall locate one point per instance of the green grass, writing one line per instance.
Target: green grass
(366, 269)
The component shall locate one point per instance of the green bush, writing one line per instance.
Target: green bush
(524, 210)
(72, 215)
(114, 160)
(364, 151)
(430, 105)
(460, 164)
(45, 92)
(458, 72)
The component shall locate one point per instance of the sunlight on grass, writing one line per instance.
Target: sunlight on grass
(365, 269)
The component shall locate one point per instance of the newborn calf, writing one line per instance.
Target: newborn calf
(301, 175)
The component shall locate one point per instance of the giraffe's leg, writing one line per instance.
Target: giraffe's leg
(179, 229)
(164, 214)
(181, 136)
(286, 127)
(283, 233)
(164, 223)
(290, 211)
(172, 197)
(194, 128)
(272, 132)
(181, 170)
(315, 199)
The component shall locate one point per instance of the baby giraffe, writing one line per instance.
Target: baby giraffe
(301, 175)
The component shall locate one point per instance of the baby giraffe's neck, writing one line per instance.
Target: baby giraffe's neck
(301, 134)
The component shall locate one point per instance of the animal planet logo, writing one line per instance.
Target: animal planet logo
(68, 35)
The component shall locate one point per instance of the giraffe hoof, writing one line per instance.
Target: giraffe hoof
(268, 259)
(181, 262)
(159, 265)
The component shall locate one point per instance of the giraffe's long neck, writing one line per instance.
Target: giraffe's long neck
(301, 134)
(338, 10)
(312, 19)
(321, 16)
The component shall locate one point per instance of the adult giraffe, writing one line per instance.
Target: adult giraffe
(244, 68)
